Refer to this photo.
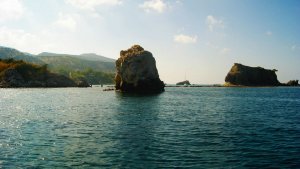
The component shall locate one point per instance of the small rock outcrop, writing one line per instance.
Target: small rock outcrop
(241, 75)
(186, 82)
(293, 83)
(136, 72)
(81, 82)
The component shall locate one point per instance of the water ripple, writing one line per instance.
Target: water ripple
(181, 128)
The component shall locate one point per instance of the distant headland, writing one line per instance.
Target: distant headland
(17, 73)
(96, 69)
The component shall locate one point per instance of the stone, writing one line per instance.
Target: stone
(241, 75)
(186, 82)
(81, 82)
(136, 72)
(293, 83)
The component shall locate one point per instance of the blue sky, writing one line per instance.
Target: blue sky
(201, 39)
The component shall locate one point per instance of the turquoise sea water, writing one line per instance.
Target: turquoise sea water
(182, 127)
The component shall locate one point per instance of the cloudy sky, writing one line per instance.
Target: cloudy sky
(199, 38)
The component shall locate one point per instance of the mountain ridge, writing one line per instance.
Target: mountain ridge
(85, 56)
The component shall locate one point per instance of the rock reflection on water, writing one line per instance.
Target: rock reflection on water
(136, 130)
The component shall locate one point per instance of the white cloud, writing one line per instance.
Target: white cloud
(39, 41)
(154, 5)
(20, 39)
(269, 33)
(11, 9)
(178, 2)
(211, 45)
(225, 50)
(213, 23)
(92, 4)
(66, 21)
(181, 38)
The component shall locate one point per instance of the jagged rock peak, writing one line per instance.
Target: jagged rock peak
(133, 51)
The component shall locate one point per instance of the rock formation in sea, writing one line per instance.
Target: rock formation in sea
(186, 82)
(241, 75)
(136, 72)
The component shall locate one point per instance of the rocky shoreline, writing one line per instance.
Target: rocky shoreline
(136, 72)
(20, 74)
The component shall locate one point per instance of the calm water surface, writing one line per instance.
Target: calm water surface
(182, 127)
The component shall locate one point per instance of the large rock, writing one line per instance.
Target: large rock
(241, 75)
(137, 72)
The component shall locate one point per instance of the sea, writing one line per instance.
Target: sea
(183, 127)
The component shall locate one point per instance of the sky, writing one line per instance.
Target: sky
(197, 40)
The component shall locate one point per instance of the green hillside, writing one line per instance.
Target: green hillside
(95, 72)
(66, 62)
(84, 56)
(88, 66)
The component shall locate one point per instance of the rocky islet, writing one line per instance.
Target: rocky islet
(136, 72)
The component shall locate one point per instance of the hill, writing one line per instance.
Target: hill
(68, 63)
(10, 53)
(84, 56)
(95, 72)
(17, 73)
(98, 69)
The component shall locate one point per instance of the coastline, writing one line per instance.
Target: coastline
(227, 86)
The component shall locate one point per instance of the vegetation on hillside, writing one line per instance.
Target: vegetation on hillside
(93, 77)
(75, 64)
(28, 71)
(18, 73)
(95, 72)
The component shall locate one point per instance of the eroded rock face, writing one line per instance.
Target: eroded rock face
(137, 72)
(241, 75)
